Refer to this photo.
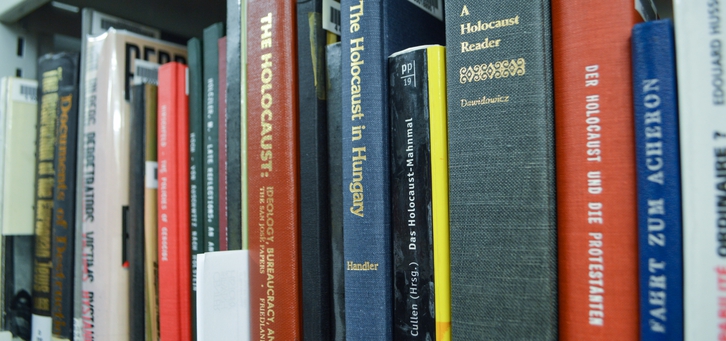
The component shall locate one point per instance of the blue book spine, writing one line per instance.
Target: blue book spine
(372, 31)
(660, 247)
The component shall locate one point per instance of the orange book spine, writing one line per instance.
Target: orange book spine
(174, 234)
(273, 171)
(597, 222)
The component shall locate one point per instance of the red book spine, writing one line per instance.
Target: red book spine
(222, 45)
(273, 171)
(597, 222)
(174, 235)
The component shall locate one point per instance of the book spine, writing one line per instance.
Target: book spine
(151, 185)
(366, 186)
(436, 58)
(233, 123)
(222, 124)
(660, 248)
(411, 209)
(196, 163)
(137, 204)
(699, 37)
(210, 139)
(174, 235)
(596, 199)
(48, 79)
(501, 144)
(335, 183)
(274, 180)
(314, 208)
(64, 205)
(183, 200)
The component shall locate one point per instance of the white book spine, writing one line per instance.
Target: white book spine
(700, 48)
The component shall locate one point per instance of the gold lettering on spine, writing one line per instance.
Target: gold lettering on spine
(356, 109)
(266, 220)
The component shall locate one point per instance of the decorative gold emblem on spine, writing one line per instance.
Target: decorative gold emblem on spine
(500, 69)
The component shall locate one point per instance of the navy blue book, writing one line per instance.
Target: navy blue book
(660, 249)
(371, 33)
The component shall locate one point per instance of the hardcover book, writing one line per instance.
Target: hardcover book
(49, 76)
(64, 197)
(106, 174)
(234, 181)
(196, 163)
(274, 171)
(371, 33)
(419, 194)
(502, 175)
(335, 184)
(143, 184)
(313, 148)
(18, 118)
(660, 249)
(93, 23)
(210, 136)
(702, 128)
(596, 198)
(173, 204)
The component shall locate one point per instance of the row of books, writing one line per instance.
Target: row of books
(524, 183)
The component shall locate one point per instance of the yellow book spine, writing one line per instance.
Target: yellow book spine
(440, 189)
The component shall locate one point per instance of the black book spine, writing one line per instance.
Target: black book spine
(210, 143)
(137, 163)
(48, 85)
(196, 164)
(503, 226)
(315, 217)
(64, 201)
(411, 208)
(335, 180)
(234, 137)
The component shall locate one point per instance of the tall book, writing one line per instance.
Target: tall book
(660, 249)
(93, 23)
(419, 194)
(143, 185)
(235, 18)
(111, 57)
(222, 142)
(370, 34)
(502, 175)
(64, 197)
(49, 77)
(18, 118)
(210, 136)
(699, 36)
(335, 185)
(274, 173)
(313, 149)
(596, 199)
(196, 163)
(173, 202)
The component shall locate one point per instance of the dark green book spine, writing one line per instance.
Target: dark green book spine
(411, 207)
(335, 164)
(210, 138)
(137, 164)
(196, 163)
(503, 227)
(234, 129)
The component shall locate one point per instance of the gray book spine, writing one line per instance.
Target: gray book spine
(502, 175)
